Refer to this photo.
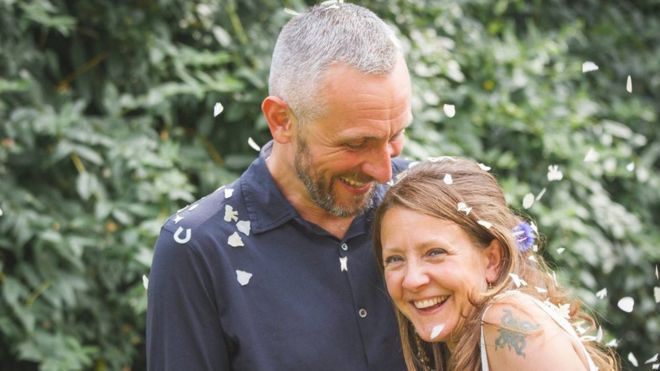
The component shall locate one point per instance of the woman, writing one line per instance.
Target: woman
(469, 290)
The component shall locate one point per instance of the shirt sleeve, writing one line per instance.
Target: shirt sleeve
(183, 323)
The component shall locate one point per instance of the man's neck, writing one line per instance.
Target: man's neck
(294, 190)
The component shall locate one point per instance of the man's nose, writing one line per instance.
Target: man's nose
(379, 164)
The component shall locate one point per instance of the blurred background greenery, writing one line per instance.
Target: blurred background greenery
(107, 127)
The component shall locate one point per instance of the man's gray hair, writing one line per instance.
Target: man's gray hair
(333, 32)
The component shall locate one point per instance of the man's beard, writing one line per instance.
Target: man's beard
(320, 192)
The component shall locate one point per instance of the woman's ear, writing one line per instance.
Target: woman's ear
(493, 260)
(279, 118)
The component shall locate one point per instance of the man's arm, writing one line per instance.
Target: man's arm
(183, 324)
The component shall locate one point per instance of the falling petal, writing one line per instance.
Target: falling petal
(447, 179)
(652, 359)
(612, 343)
(630, 167)
(243, 226)
(517, 280)
(589, 66)
(437, 329)
(599, 334)
(629, 84)
(343, 263)
(1, 212)
(602, 293)
(484, 167)
(217, 109)
(449, 109)
(253, 144)
(145, 281)
(230, 214)
(656, 366)
(235, 240)
(632, 359)
(656, 293)
(243, 277)
(291, 12)
(193, 207)
(578, 327)
(565, 310)
(541, 290)
(177, 235)
(538, 196)
(626, 304)
(228, 192)
(462, 206)
(412, 164)
(177, 218)
(533, 258)
(554, 173)
(560, 250)
(528, 201)
(591, 156)
(485, 224)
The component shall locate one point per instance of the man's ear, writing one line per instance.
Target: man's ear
(279, 118)
(493, 260)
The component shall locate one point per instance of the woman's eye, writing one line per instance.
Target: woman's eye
(392, 259)
(436, 252)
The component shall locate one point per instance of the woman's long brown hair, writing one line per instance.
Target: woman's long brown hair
(423, 190)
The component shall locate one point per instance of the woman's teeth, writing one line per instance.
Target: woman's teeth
(426, 303)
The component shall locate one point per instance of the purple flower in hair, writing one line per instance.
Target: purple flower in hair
(524, 235)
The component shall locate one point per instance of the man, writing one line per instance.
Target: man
(275, 271)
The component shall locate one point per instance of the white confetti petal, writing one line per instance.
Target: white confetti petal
(437, 329)
(235, 240)
(599, 334)
(602, 293)
(517, 280)
(228, 192)
(1, 212)
(540, 195)
(291, 12)
(243, 277)
(343, 263)
(656, 366)
(656, 293)
(589, 66)
(652, 359)
(533, 258)
(560, 250)
(243, 226)
(193, 207)
(633, 359)
(253, 144)
(485, 224)
(626, 304)
(230, 214)
(484, 167)
(630, 167)
(541, 290)
(145, 281)
(565, 310)
(217, 109)
(528, 201)
(177, 219)
(462, 206)
(448, 179)
(612, 343)
(449, 109)
(591, 156)
(554, 173)
(629, 84)
(177, 235)
(579, 327)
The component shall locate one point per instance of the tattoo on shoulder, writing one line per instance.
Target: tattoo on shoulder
(513, 333)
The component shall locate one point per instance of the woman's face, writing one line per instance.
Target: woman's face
(431, 266)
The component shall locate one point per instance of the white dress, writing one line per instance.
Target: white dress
(553, 313)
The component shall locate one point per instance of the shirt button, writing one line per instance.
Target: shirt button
(344, 246)
(362, 312)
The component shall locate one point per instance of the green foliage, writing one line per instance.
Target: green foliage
(106, 127)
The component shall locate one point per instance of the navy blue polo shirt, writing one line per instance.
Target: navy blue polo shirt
(239, 281)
